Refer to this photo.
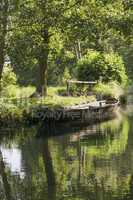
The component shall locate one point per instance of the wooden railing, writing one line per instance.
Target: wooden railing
(89, 83)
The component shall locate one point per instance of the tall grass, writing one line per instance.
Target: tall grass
(14, 91)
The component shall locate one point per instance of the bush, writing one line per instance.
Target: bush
(8, 77)
(112, 89)
(97, 66)
(66, 76)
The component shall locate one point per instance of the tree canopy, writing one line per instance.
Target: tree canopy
(47, 37)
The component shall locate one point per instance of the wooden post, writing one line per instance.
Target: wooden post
(68, 87)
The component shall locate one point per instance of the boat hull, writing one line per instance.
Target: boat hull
(83, 113)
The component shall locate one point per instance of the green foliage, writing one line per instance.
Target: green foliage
(101, 66)
(55, 100)
(22, 57)
(9, 77)
(15, 104)
(66, 76)
(71, 32)
(127, 53)
(14, 91)
(112, 89)
(10, 112)
(60, 67)
(65, 32)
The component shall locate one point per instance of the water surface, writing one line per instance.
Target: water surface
(88, 163)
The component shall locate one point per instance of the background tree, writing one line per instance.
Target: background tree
(42, 20)
(7, 11)
(107, 67)
(4, 15)
(51, 36)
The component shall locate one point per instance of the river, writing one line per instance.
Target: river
(88, 163)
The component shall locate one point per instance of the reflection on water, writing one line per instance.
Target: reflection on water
(12, 158)
(90, 163)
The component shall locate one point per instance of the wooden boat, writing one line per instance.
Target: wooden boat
(91, 112)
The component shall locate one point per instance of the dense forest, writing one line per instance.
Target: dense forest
(49, 41)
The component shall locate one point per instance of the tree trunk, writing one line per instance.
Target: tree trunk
(43, 65)
(42, 77)
(1, 58)
(78, 50)
(3, 33)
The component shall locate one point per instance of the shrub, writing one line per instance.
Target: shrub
(8, 77)
(66, 76)
(112, 89)
(96, 66)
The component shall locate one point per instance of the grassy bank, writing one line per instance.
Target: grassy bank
(15, 104)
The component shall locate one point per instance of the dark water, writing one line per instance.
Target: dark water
(92, 163)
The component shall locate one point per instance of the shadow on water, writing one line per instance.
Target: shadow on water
(3, 175)
(49, 169)
(78, 163)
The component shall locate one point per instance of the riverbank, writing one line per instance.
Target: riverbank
(22, 109)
